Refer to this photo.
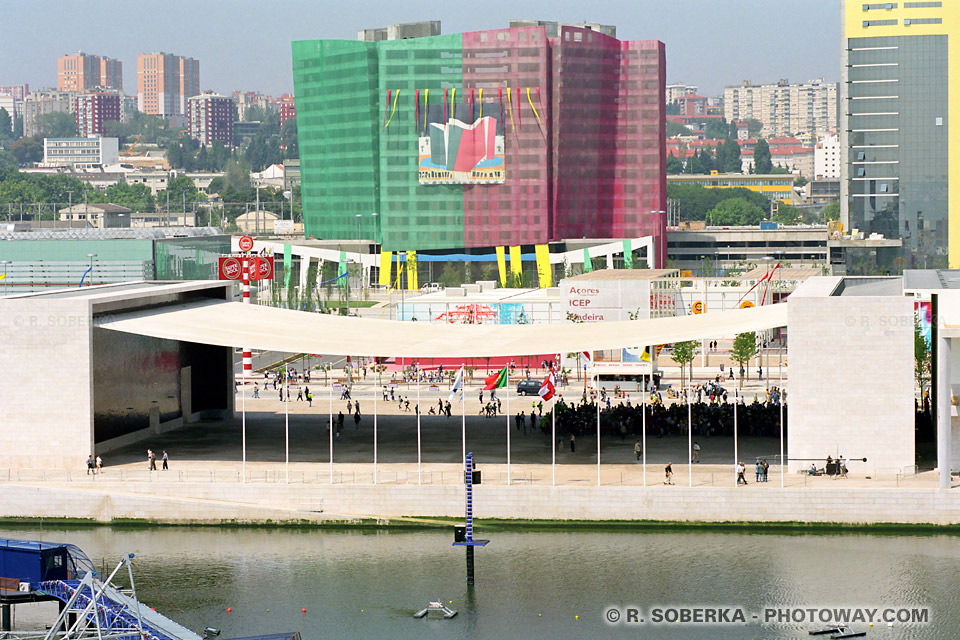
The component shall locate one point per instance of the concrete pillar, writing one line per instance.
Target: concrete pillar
(186, 393)
(6, 618)
(943, 410)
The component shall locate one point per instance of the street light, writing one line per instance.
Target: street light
(91, 256)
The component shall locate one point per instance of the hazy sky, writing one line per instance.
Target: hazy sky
(246, 45)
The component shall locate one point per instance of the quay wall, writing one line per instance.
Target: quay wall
(211, 503)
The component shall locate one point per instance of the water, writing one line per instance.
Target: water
(368, 583)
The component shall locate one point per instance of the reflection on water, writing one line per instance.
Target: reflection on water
(368, 583)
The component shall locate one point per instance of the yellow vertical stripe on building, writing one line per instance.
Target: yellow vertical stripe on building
(412, 283)
(502, 265)
(949, 14)
(516, 263)
(386, 265)
(543, 266)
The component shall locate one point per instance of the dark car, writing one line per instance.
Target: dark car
(528, 388)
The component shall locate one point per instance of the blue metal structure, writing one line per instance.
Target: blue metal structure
(33, 562)
(469, 542)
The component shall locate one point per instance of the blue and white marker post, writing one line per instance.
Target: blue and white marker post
(465, 539)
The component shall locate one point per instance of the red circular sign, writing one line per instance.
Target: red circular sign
(231, 269)
(246, 243)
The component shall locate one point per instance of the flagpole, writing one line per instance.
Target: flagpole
(375, 394)
(286, 421)
(463, 414)
(507, 387)
(644, 432)
(690, 436)
(780, 398)
(596, 391)
(331, 432)
(736, 455)
(243, 420)
(419, 460)
(553, 438)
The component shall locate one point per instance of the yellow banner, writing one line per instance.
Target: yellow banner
(386, 265)
(502, 265)
(516, 266)
(543, 266)
(412, 283)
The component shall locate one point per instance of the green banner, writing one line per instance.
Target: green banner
(627, 254)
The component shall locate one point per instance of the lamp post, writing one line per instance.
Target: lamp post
(91, 256)
(359, 216)
(766, 332)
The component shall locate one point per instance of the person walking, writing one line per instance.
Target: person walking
(164, 461)
(306, 391)
(696, 451)
(741, 469)
(299, 394)
(90, 467)
(638, 449)
(256, 390)
(668, 473)
(764, 467)
(758, 469)
(151, 460)
(99, 464)
(573, 443)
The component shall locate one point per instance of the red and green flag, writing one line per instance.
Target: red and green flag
(497, 380)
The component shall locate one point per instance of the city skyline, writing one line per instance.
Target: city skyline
(732, 32)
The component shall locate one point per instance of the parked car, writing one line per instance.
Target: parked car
(431, 287)
(528, 388)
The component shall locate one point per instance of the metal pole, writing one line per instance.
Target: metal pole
(375, 394)
(553, 439)
(243, 420)
(689, 434)
(419, 457)
(508, 422)
(331, 431)
(596, 388)
(643, 443)
(780, 398)
(463, 411)
(736, 456)
(286, 420)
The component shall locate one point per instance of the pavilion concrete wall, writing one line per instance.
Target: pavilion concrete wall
(47, 383)
(218, 503)
(851, 388)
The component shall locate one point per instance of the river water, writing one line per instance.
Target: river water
(368, 583)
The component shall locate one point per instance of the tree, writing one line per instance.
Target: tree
(787, 215)
(731, 162)
(754, 127)
(761, 157)
(832, 211)
(674, 129)
(7, 161)
(27, 150)
(288, 138)
(694, 165)
(716, 128)
(921, 357)
(674, 165)
(683, 354)
(744, 348)
(707, 159)
(735, 212)
(58, 125)
(6, 124)
(236, 175)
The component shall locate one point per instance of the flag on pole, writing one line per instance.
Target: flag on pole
(549, 386)
(457, 391)
(496, 381)
(588, 356)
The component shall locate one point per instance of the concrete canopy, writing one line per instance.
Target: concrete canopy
(233, 324)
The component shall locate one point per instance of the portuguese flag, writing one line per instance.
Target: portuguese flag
(496, 381)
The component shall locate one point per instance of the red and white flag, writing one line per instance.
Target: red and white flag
(549, 386)
(588, 356)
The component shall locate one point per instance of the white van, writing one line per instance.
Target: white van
(431, 287)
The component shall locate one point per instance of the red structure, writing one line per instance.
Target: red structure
(586, 147)
(288, 109)
(92, 110)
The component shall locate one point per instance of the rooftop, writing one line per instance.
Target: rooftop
(625, 274)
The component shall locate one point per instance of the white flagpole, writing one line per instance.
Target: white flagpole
(286, 422)
(690, 436)
(736, 455)
(463, 414)
(596, 389)
(419, 461)
(331, 432)
(553, 437)
(508, 423)
(375, 394)
(780, 394)
(243, 420)
(643, 441)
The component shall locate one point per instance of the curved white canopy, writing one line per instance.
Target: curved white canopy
(234, 324)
